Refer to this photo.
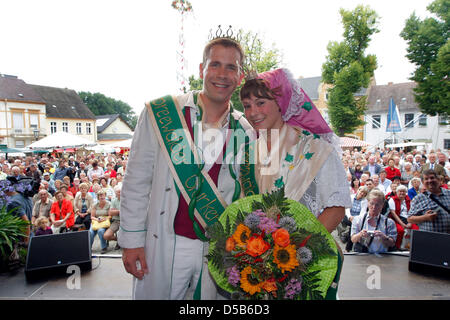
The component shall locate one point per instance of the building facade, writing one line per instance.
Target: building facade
(416, 127)
(31, 112)
(112, 128)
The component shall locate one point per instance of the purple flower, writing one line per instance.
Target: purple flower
(234, 276)
(268, 225)
(293, 287)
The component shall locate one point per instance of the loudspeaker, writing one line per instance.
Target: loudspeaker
(430, 253)
(50, 255)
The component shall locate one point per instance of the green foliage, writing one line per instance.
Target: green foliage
(100, 104)
(428, 49)
(12, 230)
(258, 57)
(348, 69)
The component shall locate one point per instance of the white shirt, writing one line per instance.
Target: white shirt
(403, 208)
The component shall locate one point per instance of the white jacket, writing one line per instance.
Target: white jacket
(149, 202)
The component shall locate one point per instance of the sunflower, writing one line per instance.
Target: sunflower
(241, 235)
(249, 283)
(285, 257)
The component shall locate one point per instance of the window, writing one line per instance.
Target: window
(447, 144)
(78, 127)
(376, 121)
(423, 120)
(88, 128)
(34, 120)
(65, 127)
(52, 127)
(409, 117)
(20, 144)
(443, 120)
(17, 120)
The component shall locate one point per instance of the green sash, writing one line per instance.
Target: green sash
(184, 163)
(248, 181)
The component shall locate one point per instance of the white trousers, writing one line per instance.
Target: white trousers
(187, 267)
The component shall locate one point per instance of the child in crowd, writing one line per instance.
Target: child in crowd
(42, 226)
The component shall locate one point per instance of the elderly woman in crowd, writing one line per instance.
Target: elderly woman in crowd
(61, 214)
(100, 212)
(83, 204)
(414, 190)
(107, 188)
(373, 232)
(407, 173)
(399, 206)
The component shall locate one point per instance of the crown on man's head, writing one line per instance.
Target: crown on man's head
(229, 34)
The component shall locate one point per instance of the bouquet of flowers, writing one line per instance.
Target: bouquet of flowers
(270, 247)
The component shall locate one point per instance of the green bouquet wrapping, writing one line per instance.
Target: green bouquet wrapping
(269, 247)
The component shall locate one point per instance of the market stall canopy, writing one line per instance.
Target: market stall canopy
(347, 142)
(4, 149)
(121, 144)
(61, 139)
(101, 148)
(406, 144)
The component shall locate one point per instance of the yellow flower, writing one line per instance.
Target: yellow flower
(285, 257)
(241, 235)
(249, 283)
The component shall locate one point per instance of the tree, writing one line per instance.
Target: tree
(100, 104)
(428, 49)
(257, 57)
(348, 69)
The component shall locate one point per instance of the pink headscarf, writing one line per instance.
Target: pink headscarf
(297, 109)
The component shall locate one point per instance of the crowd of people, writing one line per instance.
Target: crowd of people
(75, 192)
(414, 185)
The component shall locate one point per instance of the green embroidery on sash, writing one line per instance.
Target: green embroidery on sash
(182, 160)
(248, 179)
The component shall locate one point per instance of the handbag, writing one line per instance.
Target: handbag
(105, 224)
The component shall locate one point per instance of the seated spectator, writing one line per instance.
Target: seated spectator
(42, 207)
(407, 174)
(373, 232)
(42, 226)
(83, 204)
(369, 184)
(99, 213)
(93, 191)
(358, 171)
(110, 170)
(114, 213)
(391, 170)
(390, 192)
(430, 209)
(61, 214)
(415, 187)
(75, 186)
(383, 181)
(354, 186)
(359, 203)
(399, 206)
(442, 182)
(66, 182)
(107, 188)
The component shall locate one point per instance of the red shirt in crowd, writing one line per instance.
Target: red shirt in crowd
(63, 211)
(392, 172)
(112, 173)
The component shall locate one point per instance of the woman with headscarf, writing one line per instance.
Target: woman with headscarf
(295, 149)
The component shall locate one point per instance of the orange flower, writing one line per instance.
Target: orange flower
(256, 246)
(270, 285)
(230, 244)
(241, 235)
(249, 283)
(281, 237)
(285, 258)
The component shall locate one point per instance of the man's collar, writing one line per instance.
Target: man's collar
(190, 103)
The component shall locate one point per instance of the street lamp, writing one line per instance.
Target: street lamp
(36, 134)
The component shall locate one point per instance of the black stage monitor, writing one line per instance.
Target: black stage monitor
(430, 252)
(49, 255)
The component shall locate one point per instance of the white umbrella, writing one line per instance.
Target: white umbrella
(61, 139)
(122, 144)
(101, 148)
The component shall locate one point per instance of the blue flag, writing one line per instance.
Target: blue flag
(393, 118)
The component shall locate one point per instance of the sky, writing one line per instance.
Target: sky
(127, 50)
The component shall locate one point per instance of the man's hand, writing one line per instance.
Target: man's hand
(430, 215)
(131, 257)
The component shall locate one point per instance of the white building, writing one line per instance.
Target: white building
(416, 127)
(31, 112)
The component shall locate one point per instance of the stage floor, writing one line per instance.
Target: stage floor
(363, 277)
